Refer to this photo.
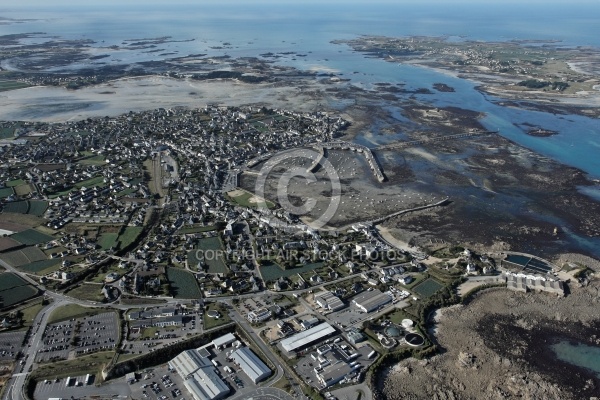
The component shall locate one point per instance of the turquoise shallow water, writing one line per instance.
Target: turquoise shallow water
(579, 354)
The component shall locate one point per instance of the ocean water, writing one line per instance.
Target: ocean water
(307, 28)
(579, 354)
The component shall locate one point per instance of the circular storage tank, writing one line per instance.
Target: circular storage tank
(415, 340)
(392, 331)
(407, 323)
(213, 314)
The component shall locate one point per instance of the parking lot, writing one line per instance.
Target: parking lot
(99, 332)
(83, 335)
(10, 344)
(58, 388)
(159, 383)
(57, 342)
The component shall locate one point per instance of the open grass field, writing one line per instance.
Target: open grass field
(427, 288)
(42, 267)
(214, 322)
(23, 190)
(130, 234)
(209, 253)
(5, 192)
(13, 289)
(71, 311)
(108, 240)
(183, 284)
(247, 199)
(15, 182)
(31, 237)
(98, 180)
(90, 292)
(273, 271)
(34, 254)
(89, 364)
(12, 85)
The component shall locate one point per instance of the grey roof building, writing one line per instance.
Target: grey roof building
(371, 300)
(306, 337)
(251, 364)
(199, 376)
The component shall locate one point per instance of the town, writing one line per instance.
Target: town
(136, 265)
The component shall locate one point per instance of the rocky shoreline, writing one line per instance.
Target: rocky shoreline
(498, 347)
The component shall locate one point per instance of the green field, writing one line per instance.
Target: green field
(12, 85)
(88, 183)
(42, 267)
(183, 284)
(427, 288)
(5, 192)
(14, 289)
(130, 234)
(209, 254)
(111, 239)
(31, 237)
(108, 240)
(7, 133)
(37, 207)
(32, 207)
(273, 271)
(17, 207)
(15, 182)
(24, 256)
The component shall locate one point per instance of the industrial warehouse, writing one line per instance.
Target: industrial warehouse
(305, 338)
(206, 372)
(250, 364)
(200, 376)
(371, 300)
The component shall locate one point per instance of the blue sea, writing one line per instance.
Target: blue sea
(252, 28)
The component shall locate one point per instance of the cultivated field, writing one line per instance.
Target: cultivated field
(32, 207)
(41, 267)
(13, 290)
(183, 284)
(31, 237)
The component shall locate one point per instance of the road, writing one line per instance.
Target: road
(282, 368)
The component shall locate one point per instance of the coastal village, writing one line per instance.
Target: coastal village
(141, 221)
